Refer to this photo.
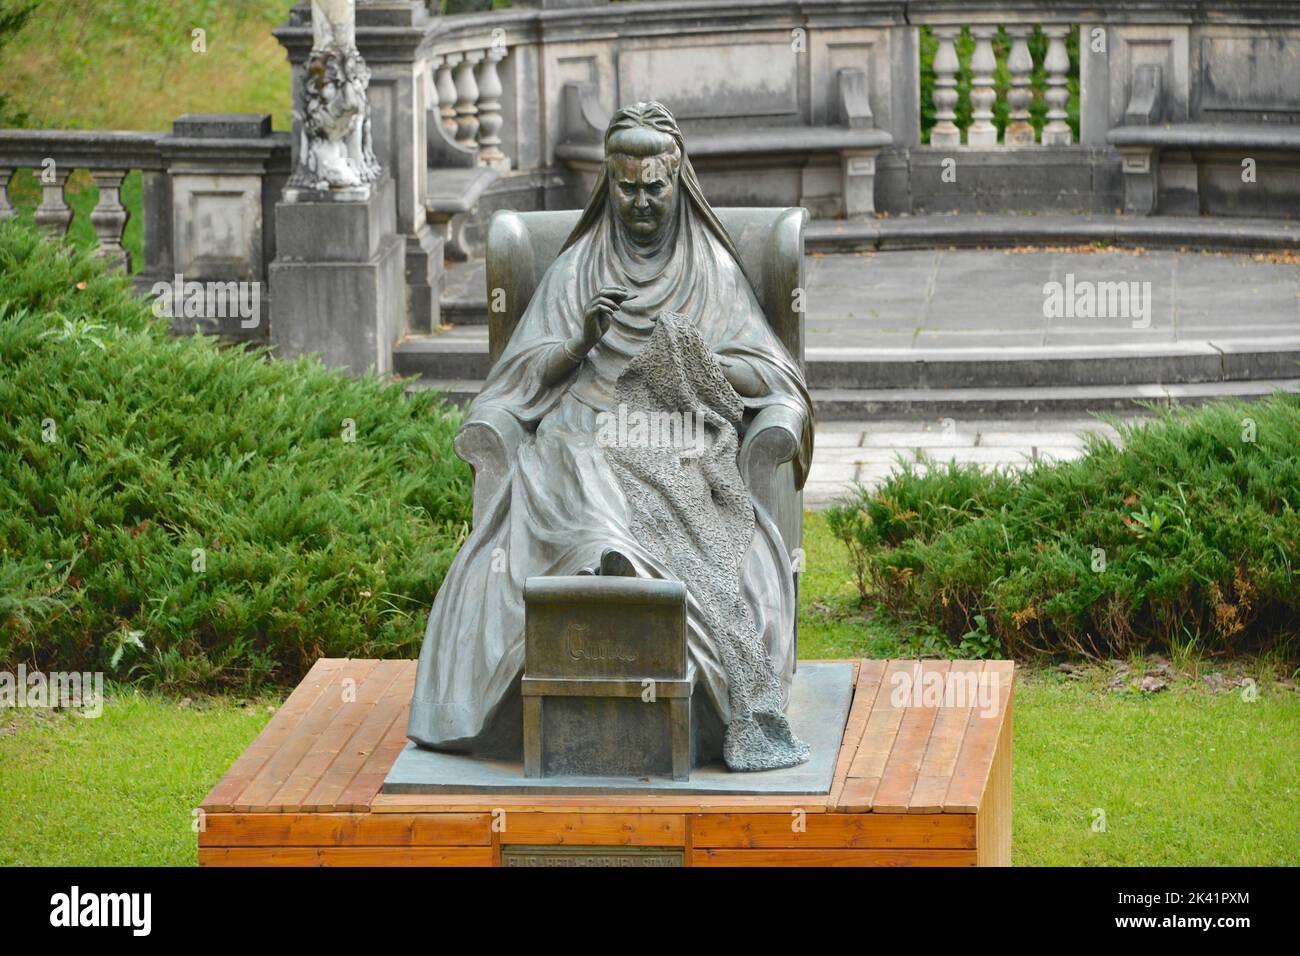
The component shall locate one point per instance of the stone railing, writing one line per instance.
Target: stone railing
(465, 101)
(984, 94)
(724, 65)
(208, 188)
(54, 155)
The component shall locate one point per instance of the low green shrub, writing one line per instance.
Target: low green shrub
(184, 514)
(1186, 533)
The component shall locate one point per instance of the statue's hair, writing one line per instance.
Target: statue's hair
(644, 129)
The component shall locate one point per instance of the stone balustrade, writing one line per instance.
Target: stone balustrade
(206, 188)
(984, 93)
(465, 101)
(488, 93)
(54, 155)
(785, 102)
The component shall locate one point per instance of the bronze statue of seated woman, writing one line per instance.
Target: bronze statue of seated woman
(646, 317)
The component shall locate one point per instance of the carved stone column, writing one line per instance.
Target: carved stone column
(983, 65)
(335, 152)
(54, 215)
(1020, 63)
(338, 281)
(945, 131)
(489, 111)
(402, 90)
(446, 89)
(7, 210)
(1057, 131)
(109, 218)
(466, 97)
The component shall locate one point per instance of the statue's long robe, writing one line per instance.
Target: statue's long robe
(562, 505)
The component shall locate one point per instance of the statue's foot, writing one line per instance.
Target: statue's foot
(614, 563)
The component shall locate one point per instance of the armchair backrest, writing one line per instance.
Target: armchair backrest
(522, 245)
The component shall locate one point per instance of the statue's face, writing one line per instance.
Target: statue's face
(643, 190)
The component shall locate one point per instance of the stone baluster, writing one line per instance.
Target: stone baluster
(445, 87)
(467, 98)
(489, 110)
(1057, 131)
(109, 218)
(1020, 64)
(7, 210)
(53, 215)
(983, 66)
(945, 131)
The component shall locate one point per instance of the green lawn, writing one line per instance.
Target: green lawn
(120, 789)
(831, 624)
(1184, 776)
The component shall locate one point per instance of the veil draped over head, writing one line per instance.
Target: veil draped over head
(691, 267)
(656, 116)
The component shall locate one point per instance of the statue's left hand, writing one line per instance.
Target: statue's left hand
(741, 375)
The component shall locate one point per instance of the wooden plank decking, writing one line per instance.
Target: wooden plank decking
(918, 782)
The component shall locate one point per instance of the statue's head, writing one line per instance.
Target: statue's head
(643, 155)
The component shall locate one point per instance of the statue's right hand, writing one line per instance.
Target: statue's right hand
(599, 311)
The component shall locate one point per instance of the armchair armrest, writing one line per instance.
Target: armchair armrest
(771, 441)
(487, 442)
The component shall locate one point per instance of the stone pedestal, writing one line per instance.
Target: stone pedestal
(392, 36)
(606, 690)
(212, 209)
(338, 279)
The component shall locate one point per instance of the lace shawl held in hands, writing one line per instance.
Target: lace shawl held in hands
(690, 508)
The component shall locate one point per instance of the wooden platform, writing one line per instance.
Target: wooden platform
(916, 784)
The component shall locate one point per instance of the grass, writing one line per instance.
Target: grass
(833, 623)
(1186, 776)
(120, 789)
(106, 64)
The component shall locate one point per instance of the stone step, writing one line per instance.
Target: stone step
(963, 403)
(458, 391)
(966, 403)
(463, 354)
(446, 356)
(977, 230)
